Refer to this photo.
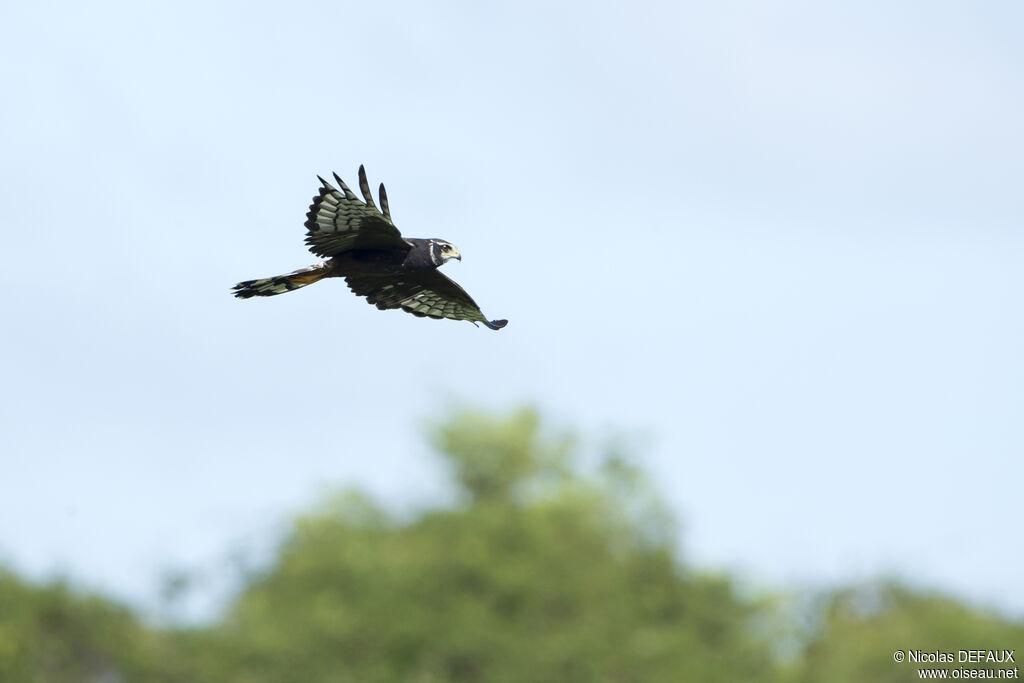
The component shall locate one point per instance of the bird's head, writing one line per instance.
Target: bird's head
(441, 251)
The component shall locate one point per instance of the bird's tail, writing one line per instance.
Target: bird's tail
(282, 283)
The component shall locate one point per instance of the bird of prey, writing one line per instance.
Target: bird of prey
(362, 245)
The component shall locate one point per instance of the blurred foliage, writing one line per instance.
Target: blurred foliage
(55, 635)
(860, 628)
(541, 571)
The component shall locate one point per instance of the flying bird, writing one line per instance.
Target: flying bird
(362, 245)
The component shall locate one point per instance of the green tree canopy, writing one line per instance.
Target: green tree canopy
(54, 634)
(542, 570)
(861, 627)
(543, 575)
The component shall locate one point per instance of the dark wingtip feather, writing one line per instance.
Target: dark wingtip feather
(324, 182)
(344, 187)
(364, 187)
(496, 324)
(384, 202)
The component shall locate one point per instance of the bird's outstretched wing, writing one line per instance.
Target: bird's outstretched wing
(338, 221)
(427, 294)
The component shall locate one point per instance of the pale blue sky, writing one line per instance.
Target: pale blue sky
(782, 241)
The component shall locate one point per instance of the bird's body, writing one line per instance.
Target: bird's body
(362, 245)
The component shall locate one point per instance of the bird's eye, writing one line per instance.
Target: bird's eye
(446, 247)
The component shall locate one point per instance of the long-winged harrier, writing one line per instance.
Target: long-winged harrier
(362, 245)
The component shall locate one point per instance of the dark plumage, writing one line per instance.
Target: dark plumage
(362, 245)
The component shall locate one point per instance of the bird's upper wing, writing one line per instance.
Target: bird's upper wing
(425, 293)
(337, 221)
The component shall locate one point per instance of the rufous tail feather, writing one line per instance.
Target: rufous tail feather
(280, 284)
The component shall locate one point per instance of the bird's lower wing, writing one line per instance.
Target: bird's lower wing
(427, 294)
